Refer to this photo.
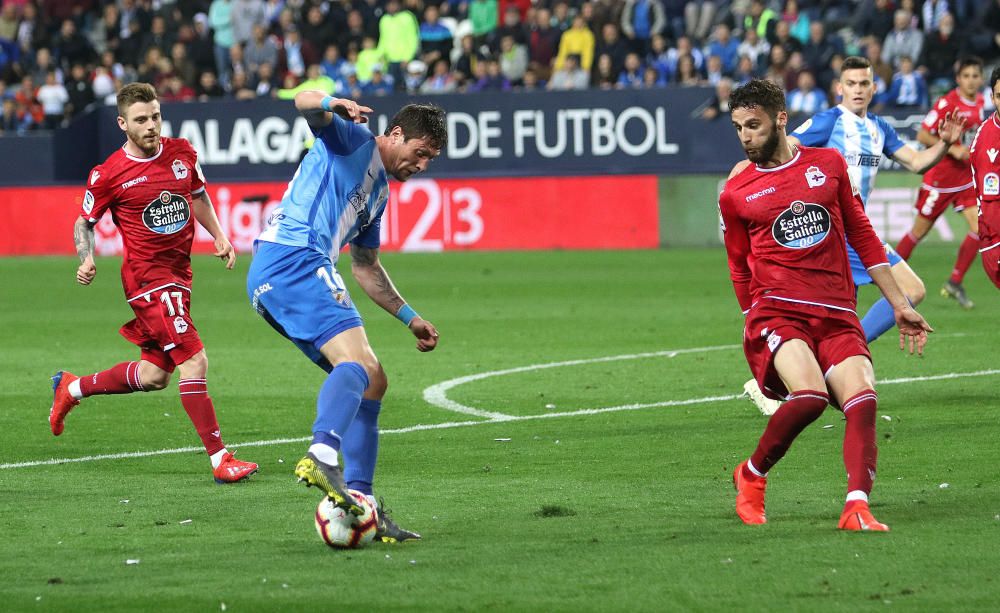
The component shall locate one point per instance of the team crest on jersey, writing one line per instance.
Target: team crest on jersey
(801, 225)
(180, 170)
(991, 184)
(815, 177)
(180, 325)
(88, 202)
(167, 214)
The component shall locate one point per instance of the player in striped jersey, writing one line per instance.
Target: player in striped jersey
(863, 139)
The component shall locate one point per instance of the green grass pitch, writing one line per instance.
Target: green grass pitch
(606, 486)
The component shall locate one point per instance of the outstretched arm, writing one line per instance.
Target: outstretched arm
(949, 131)
(204, 212)
(375, 281)
(317, 108)
(83, 237)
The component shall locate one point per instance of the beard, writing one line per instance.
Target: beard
(766, 151)
(147, 146)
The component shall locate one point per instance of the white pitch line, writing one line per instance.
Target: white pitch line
(460, 424)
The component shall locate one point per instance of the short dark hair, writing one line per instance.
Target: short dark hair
(854, 62)
(968, 60)
(132, 93)
(424, 121)
(994, 77)
(759, 93)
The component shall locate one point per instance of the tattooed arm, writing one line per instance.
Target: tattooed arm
(83, 237)
(373, 278)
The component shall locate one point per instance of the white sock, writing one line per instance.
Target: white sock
(217, 457)
(754, 470)
(324, 453)
(74, 389)
(857, 495)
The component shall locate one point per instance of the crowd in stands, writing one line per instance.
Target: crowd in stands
(58, 57)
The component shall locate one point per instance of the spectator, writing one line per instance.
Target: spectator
(641, 19)
(441, 80)
(604, 11)
(657, 57)
(543, 42)
(986, 41)
(753, 47)
(942, 48)
(579, 41)
(71, 47)
(760, 18)
(465, 63)
(651, 78)
(399, 38)
(149, 70)
(8, 21)
(484, 17)
(908, 88)
(295, 57)
(513, 59)
(105, 34)
(332, 63)
(604, 76)
(882, 70)
(31, 31)
(699, 15)
(367, 57)
(200, 47)
(436, 40)
(11, 122)
(265, 83)
(903, 40)
(245, 15)
(745, 70)
(29, 111)
(220, 18)
(875, 19)
(314, 79)
(782, 37)
(261, 49)
(798, 21)
(631, 76)
(208, 87)
(931, 14)
(237, 62)
(81, 95)
(158, 36)
(570, 74)
(777, 66)
(562, 19)
(512, 26)
(673, 12)
(355, 33)
(684, 47)
(820, 49)
(531, 82)
(318, 29)
(53, 98)
(103, 83)
(713, 70)
(723, 45)
(42, 65)
(614, 45)
(183, 66)
(718, 105)
(806, 99)
(239, 87)
(416, 71)
(687, 75)
(176, 90)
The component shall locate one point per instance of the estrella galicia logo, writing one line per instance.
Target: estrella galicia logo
(802, 225)
(167, 214)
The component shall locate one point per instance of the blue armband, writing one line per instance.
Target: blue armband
(325, 103)
(406, 314)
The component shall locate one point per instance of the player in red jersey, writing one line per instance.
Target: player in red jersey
(153, 186)
(784, 213)
(985, 158)
(950, 181)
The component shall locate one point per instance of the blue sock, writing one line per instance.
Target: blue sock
(878, 320)
(338, 402)
(360, 447)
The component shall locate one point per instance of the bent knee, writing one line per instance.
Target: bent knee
(153, 378)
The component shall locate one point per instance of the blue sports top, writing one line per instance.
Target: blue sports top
(861, 140)
(336, 196)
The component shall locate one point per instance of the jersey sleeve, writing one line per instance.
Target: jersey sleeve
(737, 240)
(343, 137)
(892, 141)
(860, 234)
(97, 198)
(816, 131)
(370, 237)
(198, 184)
(930, 122)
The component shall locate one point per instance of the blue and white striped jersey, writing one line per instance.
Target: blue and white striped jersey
(861, 140)
(337, 195)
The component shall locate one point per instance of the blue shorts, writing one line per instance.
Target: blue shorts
(858, 270)
(298, 291)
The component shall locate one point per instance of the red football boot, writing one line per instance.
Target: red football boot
(62, 401)
(231, 470)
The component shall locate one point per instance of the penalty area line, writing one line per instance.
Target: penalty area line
(460, 424)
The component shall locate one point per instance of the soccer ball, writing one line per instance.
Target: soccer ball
(341, 530)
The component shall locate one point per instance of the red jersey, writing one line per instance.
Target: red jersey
(150, 202)
(951, 175)
(985, 159)
(784, 230)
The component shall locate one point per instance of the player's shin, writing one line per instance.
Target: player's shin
(198, 405)
(121, 378)
(860, 450)
(360, 447)
(337, 406)
(801, 409)
(967, 253)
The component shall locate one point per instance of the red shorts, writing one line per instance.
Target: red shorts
(163, 328)
(832, 334)
(931, 202)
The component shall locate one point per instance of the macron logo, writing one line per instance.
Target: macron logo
(993, 154)
(135, 181)
(763, 192)
(94, 176)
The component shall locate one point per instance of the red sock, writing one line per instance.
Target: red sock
(966, 254)
(802, 408)
(860, 451)
(198, 404)
(906, 245)
(119, 379)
